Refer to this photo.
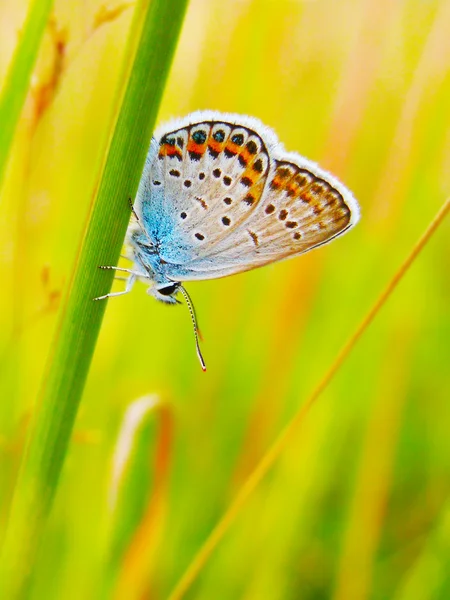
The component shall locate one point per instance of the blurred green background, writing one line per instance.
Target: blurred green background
(357, 507)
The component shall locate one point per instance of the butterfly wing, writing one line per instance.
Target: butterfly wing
(224, 199)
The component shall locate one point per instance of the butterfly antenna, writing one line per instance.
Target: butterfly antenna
(190, 306)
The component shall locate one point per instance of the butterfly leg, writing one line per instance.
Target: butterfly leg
(130, 271)
(130, 281)
(133, 275)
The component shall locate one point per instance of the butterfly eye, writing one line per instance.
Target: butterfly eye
(168, 290)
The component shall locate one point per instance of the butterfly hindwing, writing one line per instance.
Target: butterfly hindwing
(302, 207)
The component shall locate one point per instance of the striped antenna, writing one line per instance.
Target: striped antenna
(194, 322)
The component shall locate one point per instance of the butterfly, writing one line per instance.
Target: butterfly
(219, 195)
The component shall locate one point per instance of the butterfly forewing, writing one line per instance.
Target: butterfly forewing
(214, 174)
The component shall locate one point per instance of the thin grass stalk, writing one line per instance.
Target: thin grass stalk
(152, 39)
(19, 73)
(293, 426)
(374, 476)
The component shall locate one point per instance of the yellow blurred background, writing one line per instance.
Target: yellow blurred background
(357, 507)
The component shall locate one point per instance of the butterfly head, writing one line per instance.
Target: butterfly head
(165, 292)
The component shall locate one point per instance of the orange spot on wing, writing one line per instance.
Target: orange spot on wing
(249, 173)
(246, 156)
(231, 149)
(277, 183)
(173, 151)
(168, 150)
(305, 196)
(292, 190)
(196, 148)
(215, 146)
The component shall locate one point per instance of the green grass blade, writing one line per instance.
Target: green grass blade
(152, 41)
(19, 74)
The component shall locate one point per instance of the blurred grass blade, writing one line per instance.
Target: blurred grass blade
(152, 39)
(138, 497)
(428, 575)
(19, 74)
